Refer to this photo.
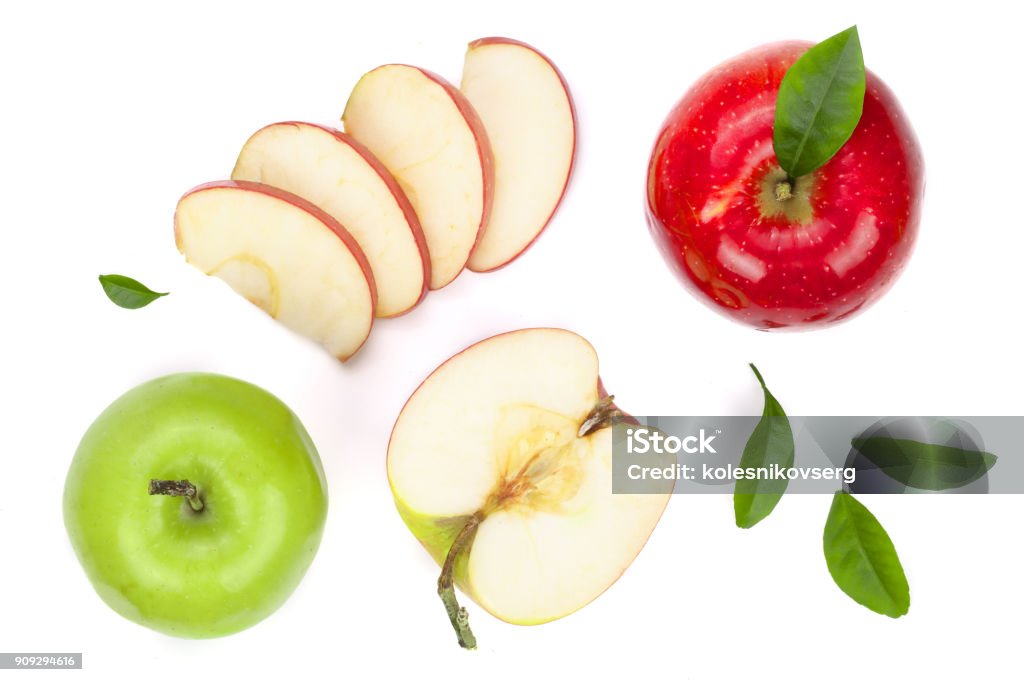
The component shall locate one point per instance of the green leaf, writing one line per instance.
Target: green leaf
(127, 292)
(770, 443)
(862, 558)
(819, 104)
(924, 465)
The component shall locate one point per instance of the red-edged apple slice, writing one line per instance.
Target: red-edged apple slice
(427, 134)
(285, 255)
(528, 113)
(492, 472)
(342, 177)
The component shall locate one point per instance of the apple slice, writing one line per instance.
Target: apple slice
(500, 464)
(526, 108)
(342, 177)
(283, 254)
(428, 135)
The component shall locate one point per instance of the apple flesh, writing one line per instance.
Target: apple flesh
(262, 501)
(526, 108)
(283, 254)
(814, 254)
(427, 134)
(333, 171)
(490, 446)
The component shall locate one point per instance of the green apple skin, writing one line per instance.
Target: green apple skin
(154, 560)
(437, 534)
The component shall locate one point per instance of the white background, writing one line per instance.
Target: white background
(110, 113)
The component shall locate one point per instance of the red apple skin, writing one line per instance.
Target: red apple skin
(498, 40)
(708, 169)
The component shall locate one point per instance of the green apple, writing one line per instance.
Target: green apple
(501, 466)
(195, 503)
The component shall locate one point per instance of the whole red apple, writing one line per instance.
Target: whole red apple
(758, 246)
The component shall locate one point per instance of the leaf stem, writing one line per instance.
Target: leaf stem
(760, 379)
(446, 582)
(183, 488)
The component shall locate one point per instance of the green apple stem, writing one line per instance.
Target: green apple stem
(177, 489)
(604, 414)
(446, 583)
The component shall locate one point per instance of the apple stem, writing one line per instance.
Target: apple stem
(446, 583)
(177, 489)
(784, 189)
(604, 414)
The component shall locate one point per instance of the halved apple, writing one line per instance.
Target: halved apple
(427, 134)
(342, 177)
(283, 254)
(526, 108)
(500, 464)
